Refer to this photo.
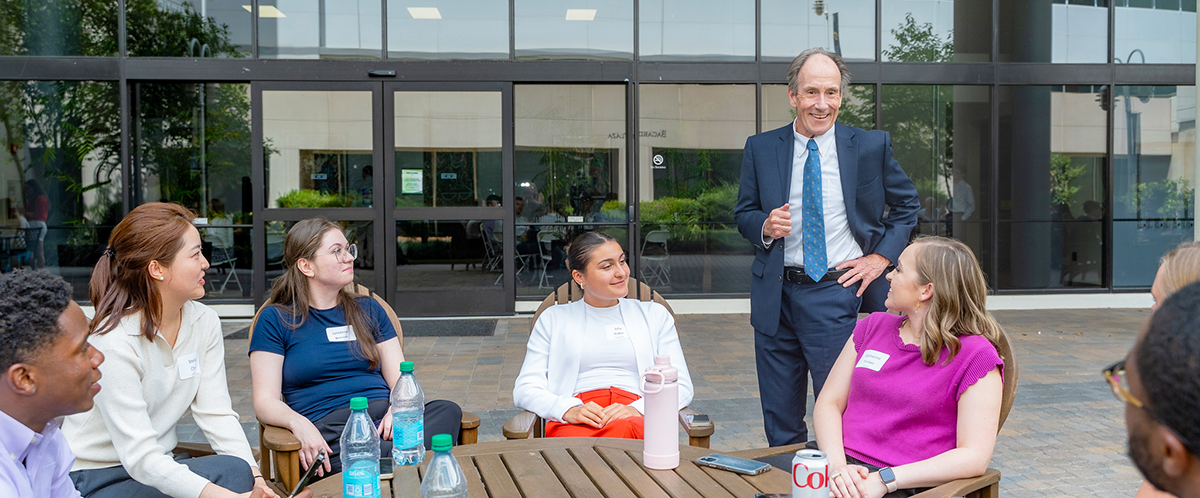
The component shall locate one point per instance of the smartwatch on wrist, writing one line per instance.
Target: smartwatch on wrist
(889, 478)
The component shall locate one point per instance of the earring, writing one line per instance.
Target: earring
(161, 279)
(918, 304)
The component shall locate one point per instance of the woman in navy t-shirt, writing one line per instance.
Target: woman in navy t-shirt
(315, 346)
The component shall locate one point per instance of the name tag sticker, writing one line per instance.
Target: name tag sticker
(340, 334)
(614, 331)
(189, 366)
(873, 360)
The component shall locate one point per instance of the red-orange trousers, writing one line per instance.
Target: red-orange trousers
(627, 428)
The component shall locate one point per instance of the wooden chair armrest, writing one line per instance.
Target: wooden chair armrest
(278, 438)
(469, 429)
(520, 426)
(470, 421)
(766, 452)
(693, 429)
(963, 487)
(196, 450)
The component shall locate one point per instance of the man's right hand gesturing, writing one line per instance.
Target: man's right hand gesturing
(779, 223)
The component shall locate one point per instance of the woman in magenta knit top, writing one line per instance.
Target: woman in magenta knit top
(914, 399)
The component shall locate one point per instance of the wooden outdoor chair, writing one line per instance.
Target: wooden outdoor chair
(528, 423)
(279, 450)
(984, 486)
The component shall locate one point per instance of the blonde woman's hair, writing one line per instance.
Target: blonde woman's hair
(959, 293)
(1180, 267)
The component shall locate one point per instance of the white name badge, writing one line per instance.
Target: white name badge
(614, 331)
(189, 366)
(340, 334)
(873, 360)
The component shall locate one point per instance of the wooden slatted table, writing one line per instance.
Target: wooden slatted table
(579, 468)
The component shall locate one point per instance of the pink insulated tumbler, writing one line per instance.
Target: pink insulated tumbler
(660, 386)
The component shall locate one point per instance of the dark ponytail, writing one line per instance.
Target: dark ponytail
(582, 247)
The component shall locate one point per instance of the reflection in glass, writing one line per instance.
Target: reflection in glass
(845, 27)
(61, 170)
(317, 148)
(700, 30)
(60, 27)
(447, 148)
(360, 233)
(925, 31)
(1163, 32)
(1154, 187)
(170, 28)
(193, 147)
(689, 181)
(227, 248)
(320, 29)
(1054, 31)
(444, 29)
(592, 29)
(941, 137)
(570, 153)
(455, 255)
(857, 110)
(1051, 184)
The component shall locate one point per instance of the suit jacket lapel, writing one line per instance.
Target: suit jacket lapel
(847, 148)
(785, 153)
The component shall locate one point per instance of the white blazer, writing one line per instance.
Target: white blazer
(546, 384)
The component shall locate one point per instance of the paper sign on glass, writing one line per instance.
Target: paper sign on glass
(410, 181)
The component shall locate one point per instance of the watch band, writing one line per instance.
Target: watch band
(889, 479)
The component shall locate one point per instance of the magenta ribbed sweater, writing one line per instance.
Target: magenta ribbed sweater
(907, 411)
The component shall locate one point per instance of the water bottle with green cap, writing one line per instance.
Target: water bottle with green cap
(360, 453)
(408, 418)
(444, 478)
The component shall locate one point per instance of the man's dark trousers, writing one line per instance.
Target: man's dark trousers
(815, 321)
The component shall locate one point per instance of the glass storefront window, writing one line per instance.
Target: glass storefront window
(1052, 195)
(1054, 31)
(444, 29)
(320, 29)
(845, 27)
(1155, 32)
(696, 30)
(858, 107)
(449, 258)
(936, 31)
(59, 27)
(169, 28)
(941, 136)
(689, 168)
(60, 176)
(569, 167)
(592, 29)
(317, 147)
(447, 148)
(1154, 186)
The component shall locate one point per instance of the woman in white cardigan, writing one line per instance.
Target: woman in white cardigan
(584, 359)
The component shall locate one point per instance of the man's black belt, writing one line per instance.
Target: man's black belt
(796, 275)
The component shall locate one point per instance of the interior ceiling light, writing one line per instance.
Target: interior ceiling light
(265, 11)
(581, 14)
(424, 13)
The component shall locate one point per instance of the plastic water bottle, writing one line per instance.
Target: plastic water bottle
(360, 453)
(660, 385)
(443, 478)
(408, 418)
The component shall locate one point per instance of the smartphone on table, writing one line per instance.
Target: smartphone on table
(733, 464)
(387, 468)
(312, 471)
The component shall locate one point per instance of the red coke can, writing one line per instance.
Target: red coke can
(810, 474)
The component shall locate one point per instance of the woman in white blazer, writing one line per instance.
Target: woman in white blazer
(584, 359)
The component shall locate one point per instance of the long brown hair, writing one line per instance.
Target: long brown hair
(959, 294)
(290, 295)
(121, 283)
(1180, 267)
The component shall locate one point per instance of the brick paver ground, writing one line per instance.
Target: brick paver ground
(1064, 437)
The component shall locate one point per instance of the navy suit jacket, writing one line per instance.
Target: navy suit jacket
(871, 181)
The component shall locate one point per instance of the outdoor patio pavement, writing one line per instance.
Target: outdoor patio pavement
(1064, 437)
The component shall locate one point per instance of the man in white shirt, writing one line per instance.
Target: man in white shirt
(50, 371)
(812, 200)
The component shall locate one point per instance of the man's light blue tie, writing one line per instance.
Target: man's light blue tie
(816, 262)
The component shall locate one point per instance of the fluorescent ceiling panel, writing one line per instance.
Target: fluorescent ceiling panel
(424, 13)
(265, 11)
(581, 14)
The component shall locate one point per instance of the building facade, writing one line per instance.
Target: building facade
(462, 143)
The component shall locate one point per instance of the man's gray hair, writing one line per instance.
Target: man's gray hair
(793, 73)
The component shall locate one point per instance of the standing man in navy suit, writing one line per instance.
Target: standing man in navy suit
(812, 201)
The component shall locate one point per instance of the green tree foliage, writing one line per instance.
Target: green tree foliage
(1062, 179)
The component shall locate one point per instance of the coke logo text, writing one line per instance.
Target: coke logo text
(814, 480)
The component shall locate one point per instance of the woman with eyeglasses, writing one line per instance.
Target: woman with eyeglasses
(1180, 267)
(315, 346)
(913, 401)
